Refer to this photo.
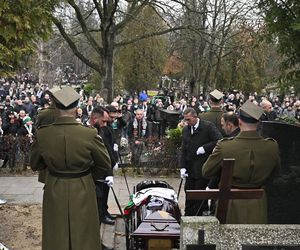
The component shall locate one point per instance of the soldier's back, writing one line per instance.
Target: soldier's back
(213, 115)
(46, 116)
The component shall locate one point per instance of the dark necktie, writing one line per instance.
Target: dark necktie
(193, 129)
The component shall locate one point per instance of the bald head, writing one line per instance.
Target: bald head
(266, 106)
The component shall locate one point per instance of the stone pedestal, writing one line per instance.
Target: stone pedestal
(235, 236)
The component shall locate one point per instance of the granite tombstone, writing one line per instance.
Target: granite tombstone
(283, 191)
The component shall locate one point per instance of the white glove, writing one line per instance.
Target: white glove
(208, 201)
(183, 173)
(116, 147)
(116, 166)
(200, 151)
(109, 181)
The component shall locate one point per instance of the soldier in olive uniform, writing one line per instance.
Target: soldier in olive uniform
(45, 117)
(215, 113)
(71, 153)
(256, 159)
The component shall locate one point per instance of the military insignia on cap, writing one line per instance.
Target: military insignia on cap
(216, 94)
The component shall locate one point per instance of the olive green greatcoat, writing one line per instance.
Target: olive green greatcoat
(70, 215)
(214, 115)
(45, 117)
(256, 159)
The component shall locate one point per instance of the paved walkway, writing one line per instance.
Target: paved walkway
(27, 190)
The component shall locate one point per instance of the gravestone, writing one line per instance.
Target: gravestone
(201, 245)
(170, 118)
(270, 247)
(283, 192)
(238, 236)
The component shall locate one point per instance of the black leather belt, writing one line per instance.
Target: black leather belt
(246, 187)
(70, 175)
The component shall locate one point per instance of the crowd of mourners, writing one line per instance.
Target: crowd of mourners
(22, 98)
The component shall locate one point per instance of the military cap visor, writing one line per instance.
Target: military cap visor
(216, 95)
(66, 98)
(250, 112)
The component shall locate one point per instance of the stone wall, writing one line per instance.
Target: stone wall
(232, 236)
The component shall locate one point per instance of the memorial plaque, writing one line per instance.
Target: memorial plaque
(270, 247)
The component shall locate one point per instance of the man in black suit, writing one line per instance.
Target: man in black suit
(199, 138)
(99, 119)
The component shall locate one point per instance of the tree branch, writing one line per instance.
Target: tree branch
(132, 12)
(145, 36)
(99, 9)
(289, 9)
(90, 30)
(73, 46)
(82, 23)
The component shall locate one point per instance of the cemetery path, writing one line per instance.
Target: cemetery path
(20, 217)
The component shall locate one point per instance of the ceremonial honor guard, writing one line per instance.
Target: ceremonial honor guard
(46, 116)
(256, 159)
(215, 113)
(71, 153)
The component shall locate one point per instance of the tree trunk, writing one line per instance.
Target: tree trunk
(108, 77)
(42, 70)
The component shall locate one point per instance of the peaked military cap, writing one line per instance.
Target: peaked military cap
(66, 98)
(216, 95)
(250, 112)
(53, 90)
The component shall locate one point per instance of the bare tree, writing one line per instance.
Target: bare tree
(212, 24)
(102, 24)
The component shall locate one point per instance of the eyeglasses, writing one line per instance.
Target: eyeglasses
(189, 119)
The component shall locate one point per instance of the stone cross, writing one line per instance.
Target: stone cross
(225, 192)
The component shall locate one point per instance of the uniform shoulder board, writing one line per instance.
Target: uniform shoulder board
(40, 109)
(226, 138)
(44, 126)
(270, 139)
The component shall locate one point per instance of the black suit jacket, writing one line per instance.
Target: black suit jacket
(108, 139)
(206, 135)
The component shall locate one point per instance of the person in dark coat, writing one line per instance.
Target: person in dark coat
(199, 138)
(10, 127)
(269, 114)
(138, 131)
(99, 119)
(75, 156)
(25, 137)
(256, 160)
(230, 124)
(117, 122)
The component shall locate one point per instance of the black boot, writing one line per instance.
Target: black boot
(105, 247)
(107, 220)
(110, 216)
